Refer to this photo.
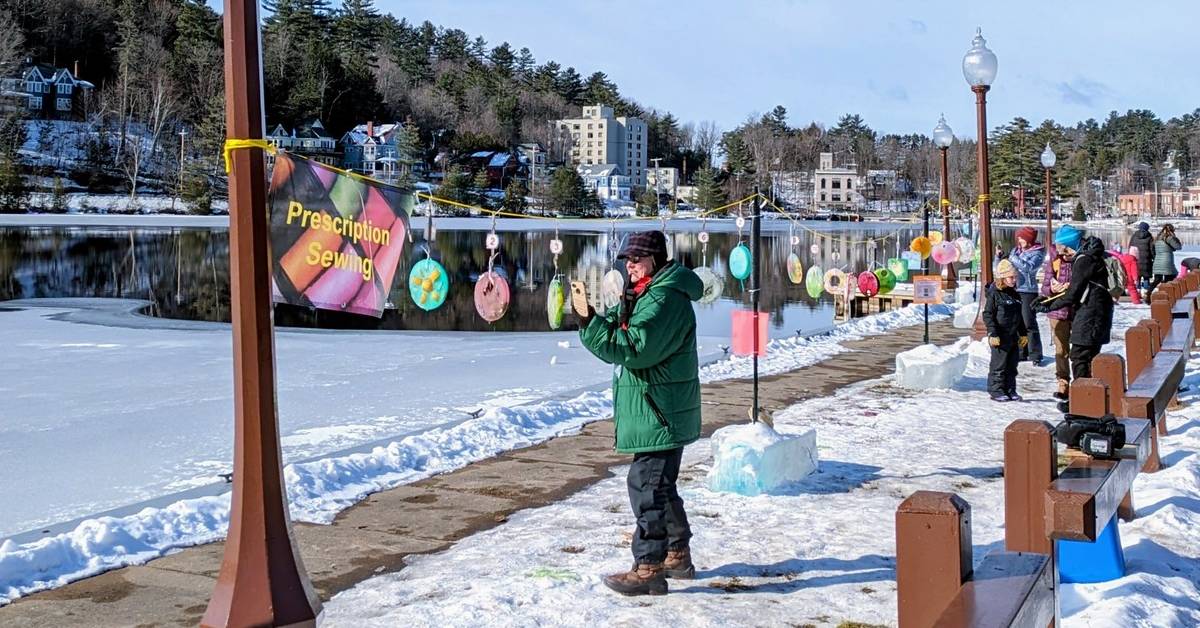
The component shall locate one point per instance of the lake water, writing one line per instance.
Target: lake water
(184, 273)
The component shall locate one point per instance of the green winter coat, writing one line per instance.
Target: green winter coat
(656, 384)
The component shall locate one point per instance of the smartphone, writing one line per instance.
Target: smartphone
(577, 287)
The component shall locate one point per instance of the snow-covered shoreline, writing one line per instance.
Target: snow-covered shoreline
(318, 490)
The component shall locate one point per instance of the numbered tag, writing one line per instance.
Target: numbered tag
(556, 247)
(795, 240)
(815, 249)
(702, 237)
(493, 242)
(740, 222)
(836, 256)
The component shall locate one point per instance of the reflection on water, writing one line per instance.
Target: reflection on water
(184, 273)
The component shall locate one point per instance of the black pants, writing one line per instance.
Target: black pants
(1032, 351)
(661, 522)
(1002, 376)
(1157, 280)
(1081, 359)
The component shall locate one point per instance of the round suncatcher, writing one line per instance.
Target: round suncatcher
(712, 284)
(814, 281)
(428, 284)
(945, 253)
(555, 300)
(868, 284)
(834, 281)
(611, 288)
(922, 245)
(740, 262)
(899, 268)
(887, 280)
(491, 296)
(795, 269)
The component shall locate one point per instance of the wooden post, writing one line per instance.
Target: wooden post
(933, 555)
(1110, 369)
(262, 581)
(1030, 464)
(1160, 310)
(1089, 397)
(1156, 334)
(1138, 351)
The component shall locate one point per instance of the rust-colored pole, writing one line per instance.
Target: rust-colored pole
(262, 581)
(985, 205)
(949, 278)
(933, 555)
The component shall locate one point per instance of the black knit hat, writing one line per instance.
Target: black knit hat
(651, 244)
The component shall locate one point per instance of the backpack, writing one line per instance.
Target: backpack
(1116, 276)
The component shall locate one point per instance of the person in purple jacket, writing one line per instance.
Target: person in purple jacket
(1056, 280)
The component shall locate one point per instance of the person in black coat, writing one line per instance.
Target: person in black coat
(1145, 254)
(1093, 306)
(1007, 333)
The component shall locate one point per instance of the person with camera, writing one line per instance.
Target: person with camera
(1089, 297)
(1055, 281)
(651, 339)
(1007, 333)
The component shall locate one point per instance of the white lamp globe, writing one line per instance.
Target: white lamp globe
(1048, 157)
(943, 137)
(979, 64)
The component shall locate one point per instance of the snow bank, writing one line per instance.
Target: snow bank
(317, 491)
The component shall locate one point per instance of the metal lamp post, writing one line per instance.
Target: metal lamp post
(1048, 161)
(943, 137)
(979, 68)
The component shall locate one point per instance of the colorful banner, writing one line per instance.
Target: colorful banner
(336, 239)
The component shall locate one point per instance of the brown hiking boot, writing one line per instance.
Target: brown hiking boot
(641, 580)
(1063, 387)
(679, 564)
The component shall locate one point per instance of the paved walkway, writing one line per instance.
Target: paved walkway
(376, 535)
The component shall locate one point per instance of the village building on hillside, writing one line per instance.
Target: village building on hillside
(373, 149)
(601, 138)
(835, 188)
(309, 140)
(46, 93)
(606, 181)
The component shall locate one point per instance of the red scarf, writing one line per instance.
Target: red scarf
(638, 289)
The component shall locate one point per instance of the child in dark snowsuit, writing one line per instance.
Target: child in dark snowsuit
(1007, 333)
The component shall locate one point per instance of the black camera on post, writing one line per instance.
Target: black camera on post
(1098, 438)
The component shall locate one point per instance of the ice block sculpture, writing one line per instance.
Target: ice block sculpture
(964, 318)
(930, 366)
(754, 459)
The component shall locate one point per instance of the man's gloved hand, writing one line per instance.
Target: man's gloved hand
(1023, 341)
(994, 341)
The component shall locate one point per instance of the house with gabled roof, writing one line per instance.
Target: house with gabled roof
(372, 149)
(46, 92)
(607, 181)
(308, 140)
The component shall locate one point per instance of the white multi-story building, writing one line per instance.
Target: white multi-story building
(835, 188)
(663, 180)
(599, 137)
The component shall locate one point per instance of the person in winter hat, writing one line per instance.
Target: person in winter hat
(1165, 246)
(1027, 257)
(1144, 242)
(651, 340)
(1007, 333)
(1055, 281)
(1128, 262)
(1088, 296)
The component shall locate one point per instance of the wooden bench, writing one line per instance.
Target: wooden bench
(935, 582)
(1153, 380)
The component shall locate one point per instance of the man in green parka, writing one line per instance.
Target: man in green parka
(651, 341)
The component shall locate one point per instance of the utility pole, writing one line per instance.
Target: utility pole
(179, 192)
(262, 581)
(657, 184)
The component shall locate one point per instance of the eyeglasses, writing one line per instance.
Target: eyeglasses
(633, 259)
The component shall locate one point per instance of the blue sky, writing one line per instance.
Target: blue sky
(898, 63)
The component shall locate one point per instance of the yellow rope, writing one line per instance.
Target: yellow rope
(235, 144)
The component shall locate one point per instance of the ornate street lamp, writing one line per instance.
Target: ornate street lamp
(979, 68)
(943, 137)
(1048, 161)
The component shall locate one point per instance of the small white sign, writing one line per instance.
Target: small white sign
(493, 242)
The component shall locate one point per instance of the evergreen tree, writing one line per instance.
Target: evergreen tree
(58, 197)
(709, 193)
(569, 85)
(408, 153)
(503, 59)
(525, 64)
(356, 35)
(514, 198)
(14, 192)
(456, 187)
(647, 202)
(567, 193)
(597, 89)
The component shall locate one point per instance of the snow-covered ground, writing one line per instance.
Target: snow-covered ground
(367, 387)
(823, 553)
